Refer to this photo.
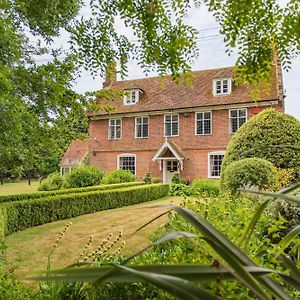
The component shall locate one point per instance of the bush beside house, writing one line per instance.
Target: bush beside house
(118, 176)
(249, 173)
(270, 135)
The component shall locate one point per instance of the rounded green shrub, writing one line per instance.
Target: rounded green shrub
(147, 178)
(118, 176)
(250, 172)
(83, 176)
(53, 182)
(270, 135)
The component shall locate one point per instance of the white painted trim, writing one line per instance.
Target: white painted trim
(135, 126)
(126, 155)
(208, 162)
(211, 122)
(229, 117)
(162, 148)
(214, 84)
(171, 114)
(121, 124)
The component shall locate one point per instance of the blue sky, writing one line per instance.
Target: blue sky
(211, 55)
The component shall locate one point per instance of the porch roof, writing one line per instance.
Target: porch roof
(172, 147)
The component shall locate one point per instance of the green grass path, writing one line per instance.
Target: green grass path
(28, 250)
(19, 187)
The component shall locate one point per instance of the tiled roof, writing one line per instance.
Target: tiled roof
(164, 94)
(75, 153)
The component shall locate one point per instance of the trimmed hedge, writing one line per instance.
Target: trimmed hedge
(20, 215)
(270, 135)
(250, 172)
(19, 197)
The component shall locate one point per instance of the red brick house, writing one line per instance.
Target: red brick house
(74, 156)
(162, 128)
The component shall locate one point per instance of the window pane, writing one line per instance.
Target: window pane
(207, 115)
(207, 127)
(145, 130)
(234, 125)
(168, 129)
(175, 128)
(168, 118)
(215, 164)
(175, 118)
(242, 113)
(199, 116)
(199, 127)
(233, 113)
(118, 121)
(127, 163)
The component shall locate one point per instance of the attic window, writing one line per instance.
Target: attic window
(132, 97)
(222, 86)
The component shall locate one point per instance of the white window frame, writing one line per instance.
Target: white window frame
(230, 118)
(109, 125)
(128, 96)
(135, 126)
(208, 163)
(126, 155)
(203, 112)
(171, 125)
(229, 79)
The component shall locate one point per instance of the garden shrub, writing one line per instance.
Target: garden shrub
(184, 181)
(155, 180)
(83, 176)
(250, 172)
(53, 182)
(147, 178)
(270, 135)
(37, 195)
(285, 178)
(20, 215)
(179, 189)
(118, 176)
(210, 187)
(176, 178)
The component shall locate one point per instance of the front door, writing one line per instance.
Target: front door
(170, 168)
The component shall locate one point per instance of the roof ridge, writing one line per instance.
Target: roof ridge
(168, 76)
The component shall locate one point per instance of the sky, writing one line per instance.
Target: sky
(211, 55)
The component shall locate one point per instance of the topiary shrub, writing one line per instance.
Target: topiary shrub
(83, 176)
(118, 176)
(53, 182)
(179, 189)
(270, 135)
(250, 172)
(210, 187)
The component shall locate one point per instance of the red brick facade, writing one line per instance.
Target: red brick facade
(193, 149)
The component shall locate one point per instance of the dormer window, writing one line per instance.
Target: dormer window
(132, 96)
(222, 86)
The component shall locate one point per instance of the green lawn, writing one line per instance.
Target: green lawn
(28, 250)
(19, 187)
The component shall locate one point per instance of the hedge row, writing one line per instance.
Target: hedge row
(18, 197)
(19, 215)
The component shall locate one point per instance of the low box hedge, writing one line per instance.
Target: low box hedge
(19, 215)
(18, 197)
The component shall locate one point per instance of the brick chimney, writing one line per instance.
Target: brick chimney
(110, 74)
(279, 79)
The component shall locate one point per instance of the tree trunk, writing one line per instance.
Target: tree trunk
(1, 178)
(29, 178)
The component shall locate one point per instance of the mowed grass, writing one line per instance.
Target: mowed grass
(19, 187)
(28, 250)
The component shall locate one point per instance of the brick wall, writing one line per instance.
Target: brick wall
(104, 152)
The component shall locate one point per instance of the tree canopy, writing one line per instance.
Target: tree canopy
(38, 102)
